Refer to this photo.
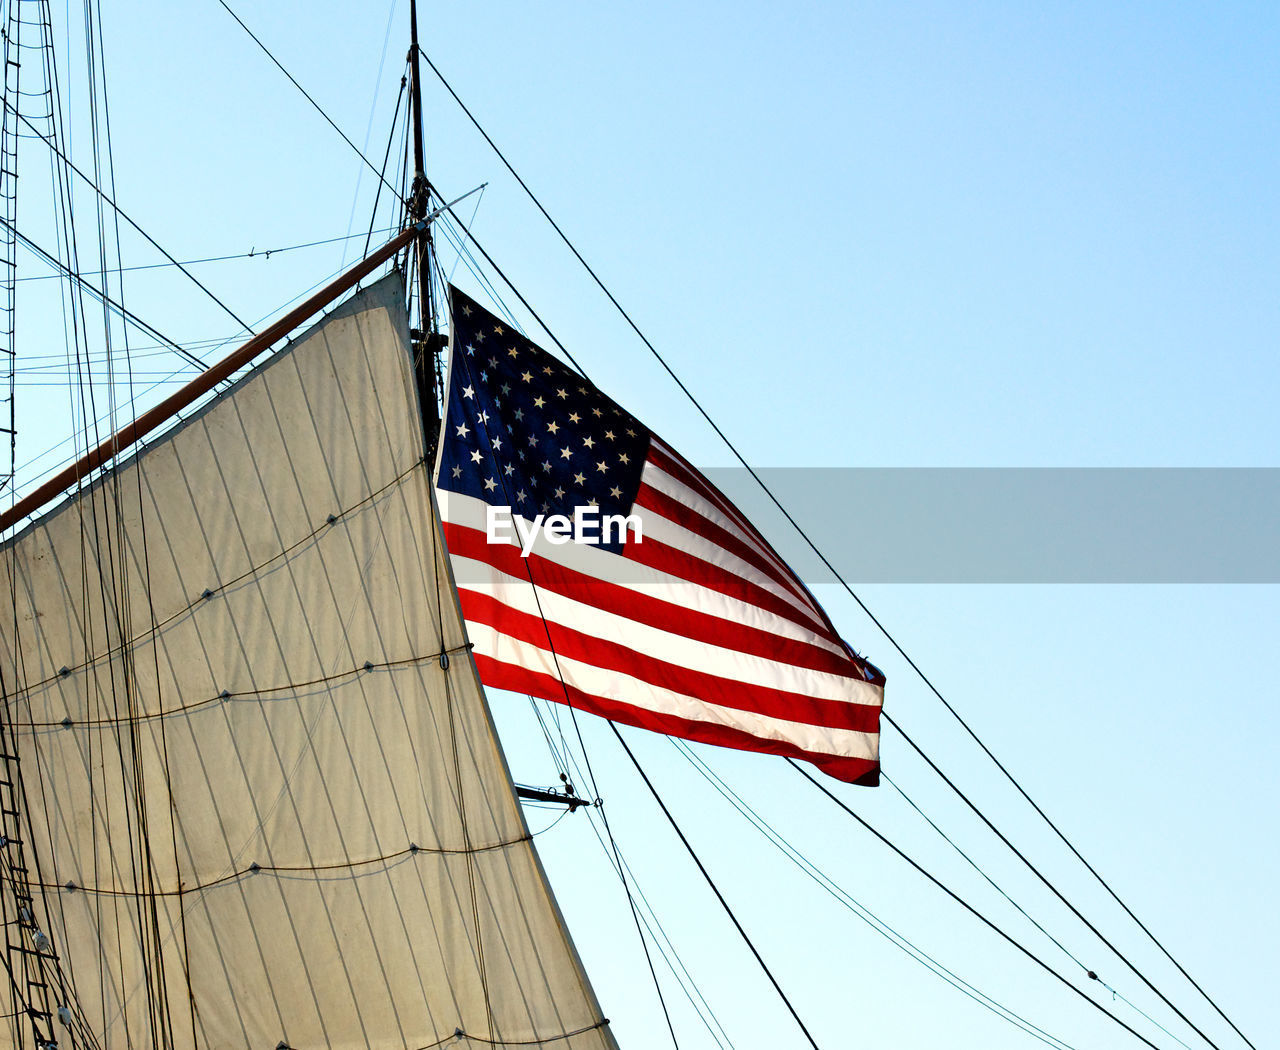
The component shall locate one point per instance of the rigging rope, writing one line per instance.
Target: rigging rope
(212, 344)
(76, 330)
(570, 772)
(124, 215)
(254, 868)
(613, 855)
(1092, 975)
(368, 132)
(252, 253)
(314, 103)
(105, 299)
(714, 888)
(965, 904)
(386, 158)
(865, 914)
(1054, 889)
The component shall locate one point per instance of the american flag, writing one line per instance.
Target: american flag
(685, 621)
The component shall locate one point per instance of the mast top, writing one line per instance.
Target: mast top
(426, 342)
(421, 187)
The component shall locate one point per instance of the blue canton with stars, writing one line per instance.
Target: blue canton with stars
(524, 431)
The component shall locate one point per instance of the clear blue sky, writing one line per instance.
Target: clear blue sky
(896, 234)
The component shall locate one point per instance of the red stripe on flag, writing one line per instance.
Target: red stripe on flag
(465, 542)
(723, 692)
(673, 561)
(670, 462)
(500, 675)
(660, 503)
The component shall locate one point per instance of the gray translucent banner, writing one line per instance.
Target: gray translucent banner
(1032, 525)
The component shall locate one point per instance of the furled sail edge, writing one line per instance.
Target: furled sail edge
(450, 594)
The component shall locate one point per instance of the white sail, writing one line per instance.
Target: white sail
(261, 808)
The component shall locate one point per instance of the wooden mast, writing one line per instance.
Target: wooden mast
(427, 338)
